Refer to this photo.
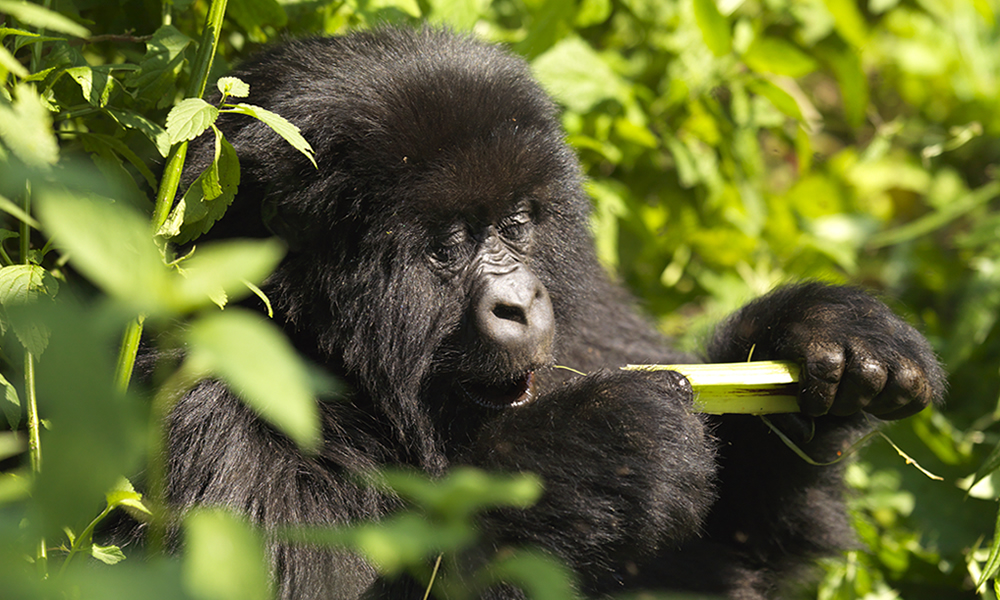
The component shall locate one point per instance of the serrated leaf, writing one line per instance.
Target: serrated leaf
(11, 404)
(20, 284)
(224, 557)
(279, 124)
(26, 128)
(774, 55)
(195, 214)
(109, 555)
(189, 119)
(715, 29)
(255, 359)
(233, 86)
(124, 495)
(221, 269)
(111, 245)
(43, 18)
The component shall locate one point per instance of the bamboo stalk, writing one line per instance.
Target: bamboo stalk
(752, 388)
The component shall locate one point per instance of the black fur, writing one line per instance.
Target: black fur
(422, 134)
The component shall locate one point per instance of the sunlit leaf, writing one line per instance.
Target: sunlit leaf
(189, 119)
(226, 266)
(111, 244)
(233, 86)
(26, 128)
(109, 555)
(257, 361)
(11, 404)
(224, 558)
(43, 18)
(279, 124)
(775, 55)
(715, 29)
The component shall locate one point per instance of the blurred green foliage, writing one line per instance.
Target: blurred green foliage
(730, 145)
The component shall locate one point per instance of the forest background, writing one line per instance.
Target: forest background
(730, 146)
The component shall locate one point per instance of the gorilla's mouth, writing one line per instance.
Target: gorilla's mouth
(516, 392)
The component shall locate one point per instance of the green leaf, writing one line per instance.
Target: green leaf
(20, 284)
(224, 558)
(109, 555)
(11, 405)
(845, 62)
(279, 124)
(124, 495)
(195, 213)
(95, 85)
(714, 27)
(43, 18)
(26, 128)
(155, 80)
(465, 490)
(774, 55)
(224, 268)
(849, 21)
(155, 133)
(111, 245)
(252, 15)
(233, 86)
(778, 97)
(189, 119)
(256, 360)
(577, 75)
(9, 61)
(13, 209)
(459, 14)
(992, 565)
(24, 284)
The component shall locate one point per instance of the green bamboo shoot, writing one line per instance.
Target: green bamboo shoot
(752, 388)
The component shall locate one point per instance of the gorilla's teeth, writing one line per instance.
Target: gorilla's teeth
(517, 393)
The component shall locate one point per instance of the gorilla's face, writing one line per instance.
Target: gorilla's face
(508, 325)
(435, 252)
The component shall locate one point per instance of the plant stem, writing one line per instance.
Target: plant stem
(127, 353)
(196, 88)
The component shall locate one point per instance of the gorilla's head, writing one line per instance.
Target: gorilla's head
(436, 252)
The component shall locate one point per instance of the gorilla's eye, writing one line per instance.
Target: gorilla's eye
(516, 227)
(449, 248)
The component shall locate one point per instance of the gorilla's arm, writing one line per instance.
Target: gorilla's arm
(626, 467)
(221, 454)
(776, 511)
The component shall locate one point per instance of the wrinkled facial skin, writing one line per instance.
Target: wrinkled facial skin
(508, 327)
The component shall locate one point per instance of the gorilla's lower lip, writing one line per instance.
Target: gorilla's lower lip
(517, 392)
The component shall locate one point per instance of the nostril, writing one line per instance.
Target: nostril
(507, 312)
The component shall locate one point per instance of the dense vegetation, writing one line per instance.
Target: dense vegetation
(731, 146)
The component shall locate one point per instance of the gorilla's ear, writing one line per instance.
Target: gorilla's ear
(294, 230)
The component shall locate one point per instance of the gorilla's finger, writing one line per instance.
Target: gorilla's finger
(863, 380)
(821, 376)
(906, 393)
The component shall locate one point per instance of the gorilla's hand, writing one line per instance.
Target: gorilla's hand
(855, 353)
(625, 464)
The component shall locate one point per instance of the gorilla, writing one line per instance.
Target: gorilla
(440, 264)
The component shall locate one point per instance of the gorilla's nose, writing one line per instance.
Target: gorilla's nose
(513, 312)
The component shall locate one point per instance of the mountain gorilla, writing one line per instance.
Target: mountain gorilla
(440, 264)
